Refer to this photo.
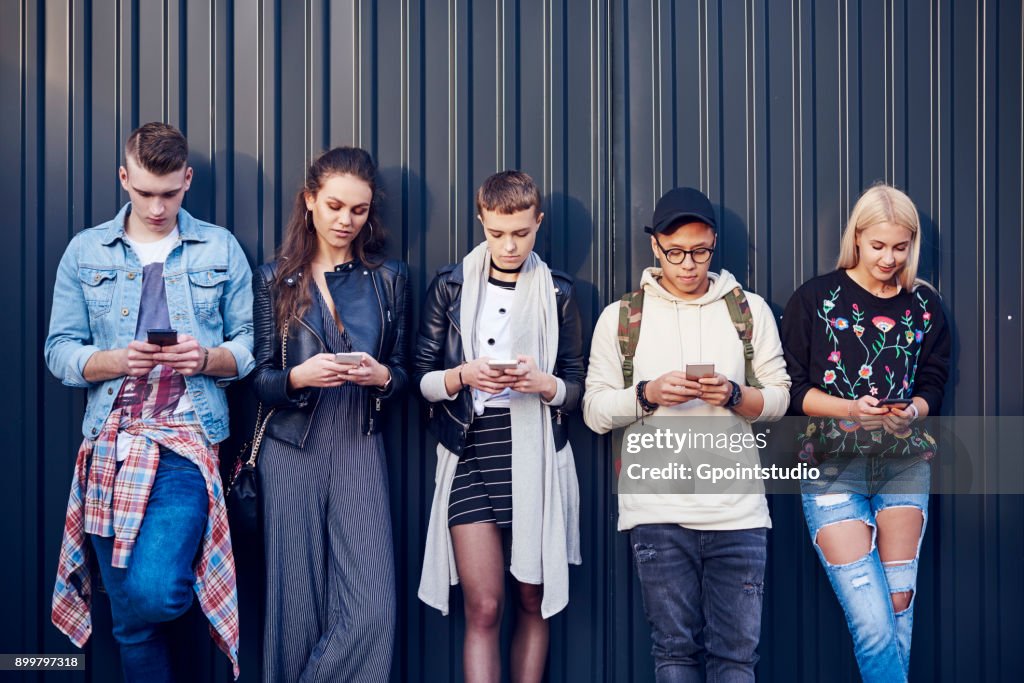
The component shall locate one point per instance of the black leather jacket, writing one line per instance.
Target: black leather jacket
(374, 308)
(439, 347)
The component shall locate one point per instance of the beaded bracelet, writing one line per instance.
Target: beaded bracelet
(647, 406)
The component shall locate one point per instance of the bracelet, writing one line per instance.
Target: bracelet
(849, 409)
(384, 387)
(462, 385)
(206, 358)
(648, 407)
(917, 413)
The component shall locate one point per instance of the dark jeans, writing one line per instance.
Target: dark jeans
(157, 585)
(702, 594)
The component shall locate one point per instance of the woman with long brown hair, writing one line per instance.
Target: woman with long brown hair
(331, 325)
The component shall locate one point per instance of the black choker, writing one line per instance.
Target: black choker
(506, 270)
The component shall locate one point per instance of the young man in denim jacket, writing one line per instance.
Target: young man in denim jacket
(146, 497)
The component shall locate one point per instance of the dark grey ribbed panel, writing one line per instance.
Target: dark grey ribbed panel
(330, 610)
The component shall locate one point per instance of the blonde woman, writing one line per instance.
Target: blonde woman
(868, 349)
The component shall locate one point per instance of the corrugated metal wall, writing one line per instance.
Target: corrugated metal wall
(781, 111)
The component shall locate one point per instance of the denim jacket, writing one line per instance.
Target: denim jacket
(96, 307)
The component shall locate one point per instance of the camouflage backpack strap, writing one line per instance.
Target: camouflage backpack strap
(631, 309)
(739, 313)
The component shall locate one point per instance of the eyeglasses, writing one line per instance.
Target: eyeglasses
(677, 256)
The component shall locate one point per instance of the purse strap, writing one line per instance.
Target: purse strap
(261, 422)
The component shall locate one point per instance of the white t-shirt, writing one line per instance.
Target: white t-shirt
(494, 338)
(154, 252)
(150, 253)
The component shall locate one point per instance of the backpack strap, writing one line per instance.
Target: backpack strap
(631, 309)
(739, 313)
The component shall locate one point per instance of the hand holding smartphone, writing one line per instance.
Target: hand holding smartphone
(697, 371)
(900, 403)
(503, 364)
(162, 336)
(354, 358)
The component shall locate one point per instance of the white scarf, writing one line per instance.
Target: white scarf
(539, 553)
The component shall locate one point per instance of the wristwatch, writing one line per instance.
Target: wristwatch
(736, 397)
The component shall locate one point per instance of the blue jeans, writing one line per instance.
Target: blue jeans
(858, 489)
(157, 585)
(702, 593)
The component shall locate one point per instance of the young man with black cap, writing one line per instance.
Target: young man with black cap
(700, 558)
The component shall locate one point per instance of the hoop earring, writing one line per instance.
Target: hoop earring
(371, 228)
(309, 224)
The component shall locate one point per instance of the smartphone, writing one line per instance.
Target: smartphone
(695, 371)
(354, 358)
(161, 336)
(898, 402)
(503, 364)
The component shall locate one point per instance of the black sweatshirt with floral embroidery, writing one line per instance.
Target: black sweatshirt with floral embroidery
(847, 342)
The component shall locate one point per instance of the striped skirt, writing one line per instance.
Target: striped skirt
(482, 488)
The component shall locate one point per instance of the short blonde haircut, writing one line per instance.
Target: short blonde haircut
(883, 203)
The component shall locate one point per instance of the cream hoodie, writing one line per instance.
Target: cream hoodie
(673, 333)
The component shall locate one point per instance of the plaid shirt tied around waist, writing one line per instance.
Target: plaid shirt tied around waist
(108, 503)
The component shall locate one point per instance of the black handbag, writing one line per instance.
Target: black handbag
(243, 493)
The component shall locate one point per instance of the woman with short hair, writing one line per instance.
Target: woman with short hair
(499, 358)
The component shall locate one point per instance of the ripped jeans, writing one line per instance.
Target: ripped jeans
(858, 488)
(702, 593)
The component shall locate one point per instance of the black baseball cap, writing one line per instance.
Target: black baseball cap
(680, 203)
